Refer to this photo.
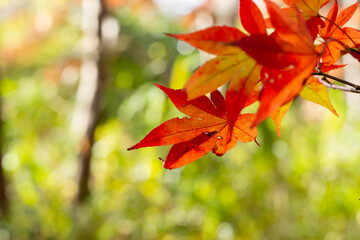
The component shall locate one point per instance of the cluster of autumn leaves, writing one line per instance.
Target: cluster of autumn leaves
(271, 64)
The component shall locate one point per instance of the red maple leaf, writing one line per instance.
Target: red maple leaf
(206, 130)
(231, 65)
(270, 68)
(288, 56)
(213, 39)
(309, 10)
(338, 38)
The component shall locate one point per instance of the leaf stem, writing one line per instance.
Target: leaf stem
(356, 87)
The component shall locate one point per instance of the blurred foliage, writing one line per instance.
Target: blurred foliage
(302, 186)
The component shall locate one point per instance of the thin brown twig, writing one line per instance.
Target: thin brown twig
(337, 87)
(356, 87)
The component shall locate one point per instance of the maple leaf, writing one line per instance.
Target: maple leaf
(327, 68)
(316, 92)
(288, 56)
(231, 63)
(213, 39)
(310, 11)
(309, 8)
(242, 92)
(272, 69)
(238, 68)
(337, 38)
(206, 130)
(289, 44)
(251, 17)
(313, 24)
(216, 72)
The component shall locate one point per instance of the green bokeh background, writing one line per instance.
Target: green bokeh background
(304, 185)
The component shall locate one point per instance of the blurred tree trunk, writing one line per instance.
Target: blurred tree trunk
(87, 108)
(6, 11)
(4, 204)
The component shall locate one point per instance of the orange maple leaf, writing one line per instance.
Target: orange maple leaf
(309, 8)
(337, 37)
(288, 56)
(213, 39)
(206, 129)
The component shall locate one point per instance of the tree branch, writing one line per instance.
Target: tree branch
(356, 87)
(337, 87)
(90, 90)
(4, 200)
